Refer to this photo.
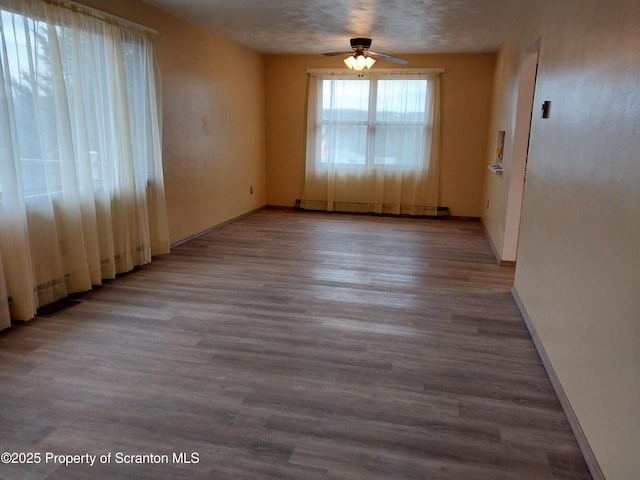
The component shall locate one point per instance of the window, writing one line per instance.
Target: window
(380, 122)
(63, 75)
(372, 142)
(81, 186)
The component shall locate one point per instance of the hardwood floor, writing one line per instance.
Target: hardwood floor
(292, 345)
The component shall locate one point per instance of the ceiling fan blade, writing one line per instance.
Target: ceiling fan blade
(384, 56)
(333, 54)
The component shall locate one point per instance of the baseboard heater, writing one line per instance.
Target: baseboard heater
(441, 211)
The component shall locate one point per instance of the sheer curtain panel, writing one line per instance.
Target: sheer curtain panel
(372, 142)
(81, 186)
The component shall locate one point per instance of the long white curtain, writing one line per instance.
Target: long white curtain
(81, 186)
(373, 143)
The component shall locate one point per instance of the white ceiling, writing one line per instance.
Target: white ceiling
(317, 26)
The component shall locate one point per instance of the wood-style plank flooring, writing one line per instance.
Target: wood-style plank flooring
(293, 345)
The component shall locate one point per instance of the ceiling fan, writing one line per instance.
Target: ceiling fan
(362, 57)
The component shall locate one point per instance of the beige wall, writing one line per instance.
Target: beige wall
(466, 100)
(213, 120)
(578, 260)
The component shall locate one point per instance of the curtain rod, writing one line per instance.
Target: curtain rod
(83, 10)
(384, 71)
(104, 16)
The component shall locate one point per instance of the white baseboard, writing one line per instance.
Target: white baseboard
(494, 249)
(581, 438)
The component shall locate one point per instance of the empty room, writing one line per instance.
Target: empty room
(320, 240)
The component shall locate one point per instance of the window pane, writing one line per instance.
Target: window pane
(345, 100)
(399, 145)
(51, 67)
(344, 144)
(26, 59)
(401, 101)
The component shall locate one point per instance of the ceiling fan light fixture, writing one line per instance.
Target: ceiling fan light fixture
(350, 61)
(359, 62)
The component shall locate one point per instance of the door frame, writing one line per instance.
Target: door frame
(524, 115)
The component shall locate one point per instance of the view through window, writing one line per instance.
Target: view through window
(58, 76)
(373, 121)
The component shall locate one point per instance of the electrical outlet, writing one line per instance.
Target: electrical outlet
(251, 190)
